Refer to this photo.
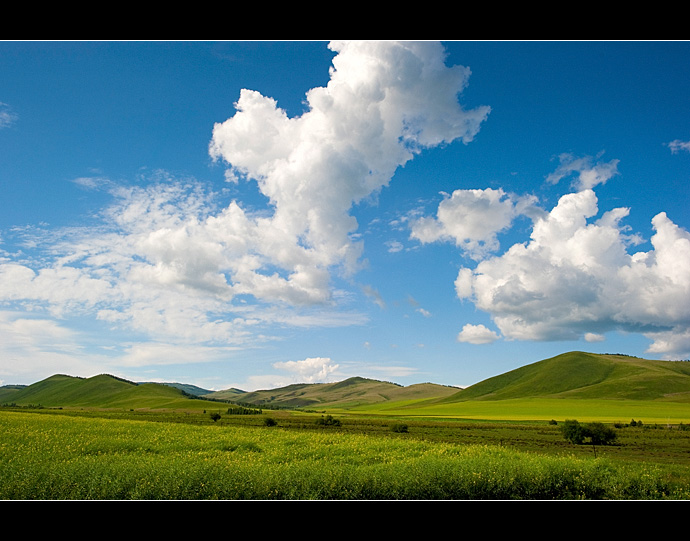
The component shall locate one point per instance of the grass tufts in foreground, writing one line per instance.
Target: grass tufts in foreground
(53, 457)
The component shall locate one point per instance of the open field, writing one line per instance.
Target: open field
(107, 438)
(92, 454)
(539, 409)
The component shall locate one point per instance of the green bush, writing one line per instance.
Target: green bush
(328, 420)
(573, 431)
(596, 433)
(399, 427)
(600, 434)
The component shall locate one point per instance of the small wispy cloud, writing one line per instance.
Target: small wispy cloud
(372, 293)
(394, 246)
(91, 183)
(678, 145)
(7, 116)
(589, 172)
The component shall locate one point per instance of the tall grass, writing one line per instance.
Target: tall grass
(61, 457)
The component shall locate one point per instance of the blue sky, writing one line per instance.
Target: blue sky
(254, 214)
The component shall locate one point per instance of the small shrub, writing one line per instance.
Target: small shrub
(270, 421)
(215, 416)
(328, 420)
(399, 427)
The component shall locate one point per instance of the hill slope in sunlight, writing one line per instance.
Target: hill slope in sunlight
(102, 391)
(574, 375)
(587, 375)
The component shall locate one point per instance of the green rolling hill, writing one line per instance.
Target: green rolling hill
(102, 391)
(347, 393)
(580, 375)
(576, 376)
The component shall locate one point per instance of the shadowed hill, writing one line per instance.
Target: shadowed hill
(587, 375)
(349, 392)
(191, 390)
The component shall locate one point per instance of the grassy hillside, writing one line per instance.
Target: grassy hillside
(575, 382)
(227, 394)
(587, 376)
(350, 392)
(103, 391)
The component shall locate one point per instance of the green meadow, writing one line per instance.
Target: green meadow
(49, 456)
(541, 409)
(104, 438)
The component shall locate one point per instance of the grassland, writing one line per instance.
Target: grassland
(538, 409)
(106, 438)
(96, 455)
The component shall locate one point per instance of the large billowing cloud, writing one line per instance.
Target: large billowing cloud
(580, 276)
(385, 102)
(167, 261)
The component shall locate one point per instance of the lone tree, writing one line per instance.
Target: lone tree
(596, 433)
(573, 431)
(600, 434)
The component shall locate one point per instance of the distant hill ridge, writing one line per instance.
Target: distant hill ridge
(570, 375)
(189, 389)
(350, 392)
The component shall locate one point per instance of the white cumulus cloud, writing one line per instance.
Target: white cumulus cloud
(171, 262)
(384, 103)
(310, 370)
(576, 276)
(594, 337)
(477, 334)
(472, 219)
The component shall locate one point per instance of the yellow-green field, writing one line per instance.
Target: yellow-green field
(51, 456)
(107, 438)
(535, 409)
